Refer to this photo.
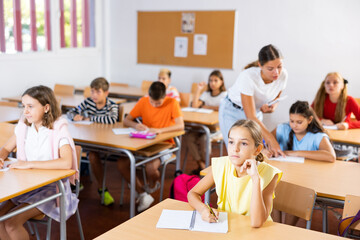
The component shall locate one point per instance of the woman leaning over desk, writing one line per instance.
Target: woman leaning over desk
(261, 82)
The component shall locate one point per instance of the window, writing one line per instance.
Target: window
(25, 25)
(76, 23)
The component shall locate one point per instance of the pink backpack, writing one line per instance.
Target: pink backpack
(181, 185)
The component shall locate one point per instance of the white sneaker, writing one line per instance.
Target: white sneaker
(150, 190)
(145, 200)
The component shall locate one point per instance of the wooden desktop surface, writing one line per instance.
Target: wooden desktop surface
(66, 101)
(350, 136)
(121, 91)
(102, 134)
(201, 118)
(143, 226)
(15, 182)
(10, 114)
(331, 180)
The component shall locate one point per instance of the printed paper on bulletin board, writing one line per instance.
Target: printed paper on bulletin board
(157, 32)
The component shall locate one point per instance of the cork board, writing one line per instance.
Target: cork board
(157, 32)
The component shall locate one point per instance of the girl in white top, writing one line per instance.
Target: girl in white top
(260, 83)
(43, 141)
(209, 99)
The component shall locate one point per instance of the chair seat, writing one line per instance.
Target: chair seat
(39, 217)
(154, 149)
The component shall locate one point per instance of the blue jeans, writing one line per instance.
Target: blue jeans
(228, 115)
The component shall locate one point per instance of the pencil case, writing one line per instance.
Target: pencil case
(146, 135)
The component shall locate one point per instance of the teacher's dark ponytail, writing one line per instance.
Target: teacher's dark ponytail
(266, 54)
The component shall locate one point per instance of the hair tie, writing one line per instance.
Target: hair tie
(346, 81)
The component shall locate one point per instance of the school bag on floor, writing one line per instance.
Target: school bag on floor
(182, 184)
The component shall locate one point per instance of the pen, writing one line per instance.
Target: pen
(141, 123)
(212, 212)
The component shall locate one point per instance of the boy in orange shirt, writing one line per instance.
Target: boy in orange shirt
(159, 114)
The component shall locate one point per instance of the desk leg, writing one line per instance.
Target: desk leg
(132, 181)
(207, 156)
(178, 153)
(62, 210)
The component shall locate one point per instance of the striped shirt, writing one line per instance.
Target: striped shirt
(108, 114)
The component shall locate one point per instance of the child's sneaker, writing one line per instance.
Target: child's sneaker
(108, 199)
(145, 200)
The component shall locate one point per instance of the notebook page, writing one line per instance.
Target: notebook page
(333, 127)
(123, 131)
(220, 227)
(174, 219)
(288, 159)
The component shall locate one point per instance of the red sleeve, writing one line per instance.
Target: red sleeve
(136, 111)
(352, 107)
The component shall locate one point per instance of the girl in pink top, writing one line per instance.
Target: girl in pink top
(43, 141)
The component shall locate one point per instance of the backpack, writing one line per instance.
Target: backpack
(182, 184)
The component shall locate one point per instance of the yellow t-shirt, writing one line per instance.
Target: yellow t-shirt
(234, 193)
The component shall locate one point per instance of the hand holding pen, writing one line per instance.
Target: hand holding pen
(140, 126)
(209, 214)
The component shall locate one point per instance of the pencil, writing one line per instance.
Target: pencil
(212, 212)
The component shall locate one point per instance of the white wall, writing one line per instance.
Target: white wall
(69, 66)
(315, 37)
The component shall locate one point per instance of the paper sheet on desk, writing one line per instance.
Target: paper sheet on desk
(332, 127)
(7, 163)
(83, 122)
(179, 219)
(123, 131)
(199, 110)
(288, 159)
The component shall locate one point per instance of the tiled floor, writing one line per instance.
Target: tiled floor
(97, 219)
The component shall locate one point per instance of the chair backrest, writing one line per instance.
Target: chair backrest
(185, 99)
(87, 92)
(351, 207)
(145, 85)
(294, 199)
(125, 108)
(61, 89)
(115, 84)
(357, 100)
(194, 87)
(9, 104)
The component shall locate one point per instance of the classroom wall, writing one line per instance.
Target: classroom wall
(68, 66)
(315, 37)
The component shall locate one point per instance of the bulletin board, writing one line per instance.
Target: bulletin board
(158, 32)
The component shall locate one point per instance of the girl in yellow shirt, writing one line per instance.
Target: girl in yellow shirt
(244, 183)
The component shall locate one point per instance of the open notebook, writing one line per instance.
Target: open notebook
(191, 220)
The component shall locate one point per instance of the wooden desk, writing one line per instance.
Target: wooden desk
(100, 136)
(122, 92)
(143, 226)
(10, 114)
(329, 180)
(15, 182)
(351, 136)
(203, 121)
(66, 101)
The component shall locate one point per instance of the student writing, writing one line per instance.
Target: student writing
(304, 135)
(244, 183)
(332, 104)
(42, 141)
(100, 109)
(260, 82)
(159, 114)
(210, 98)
